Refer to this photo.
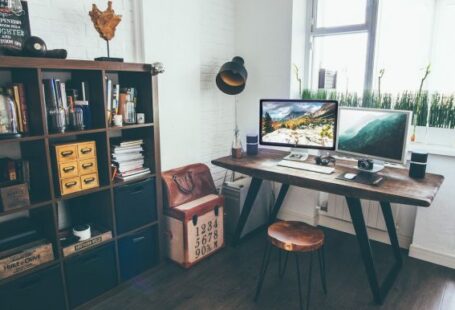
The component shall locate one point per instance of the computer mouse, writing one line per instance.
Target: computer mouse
(350, 176)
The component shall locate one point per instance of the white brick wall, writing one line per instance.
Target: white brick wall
(66, 24)
(217, 109)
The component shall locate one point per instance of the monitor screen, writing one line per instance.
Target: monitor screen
(378, 134)
(299, 123)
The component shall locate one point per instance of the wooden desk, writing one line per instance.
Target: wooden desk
(397, 187)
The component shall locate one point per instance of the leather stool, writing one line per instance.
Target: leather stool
(295, 237)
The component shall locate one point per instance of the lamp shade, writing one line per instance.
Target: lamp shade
(231, 79)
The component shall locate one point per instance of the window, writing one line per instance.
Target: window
(375, 53)
(356, 39)
(342, 37)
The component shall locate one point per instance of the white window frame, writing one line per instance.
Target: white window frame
(369, 27)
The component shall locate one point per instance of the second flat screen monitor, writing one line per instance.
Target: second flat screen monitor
(299, 123)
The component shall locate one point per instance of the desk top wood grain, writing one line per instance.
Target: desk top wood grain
(397, 186)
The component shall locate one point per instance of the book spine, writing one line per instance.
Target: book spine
(109, 94)
(58, 92)
(23, 102)
(49, 93)
(63, 95)
(17, 103)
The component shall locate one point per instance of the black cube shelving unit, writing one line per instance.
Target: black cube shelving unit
(71, 281)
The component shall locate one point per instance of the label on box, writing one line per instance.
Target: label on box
(206, 236)
(80, 246)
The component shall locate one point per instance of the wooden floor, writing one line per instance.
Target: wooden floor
(227, 281)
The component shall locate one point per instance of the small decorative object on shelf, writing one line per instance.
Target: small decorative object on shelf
(83, 232)
(105, 23)
(76, 115)
(8, 117)
(118, 120)
(36, 47)
(77, 166)
(14, 197)
(140, 118)
(128, 158)
(14, 26)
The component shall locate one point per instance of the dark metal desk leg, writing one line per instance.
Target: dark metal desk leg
(390, 223)
(279, 202)
(355, 209)
(393, 273)
(249, 201)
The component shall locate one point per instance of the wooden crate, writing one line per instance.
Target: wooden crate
(25, 260)
(195, 230)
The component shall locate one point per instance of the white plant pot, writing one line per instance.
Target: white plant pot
(441, 136)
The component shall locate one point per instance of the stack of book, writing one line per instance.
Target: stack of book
(17, 93)
(128, 160)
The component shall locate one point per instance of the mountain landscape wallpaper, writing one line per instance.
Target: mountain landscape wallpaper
(299, 123)
(375, 133)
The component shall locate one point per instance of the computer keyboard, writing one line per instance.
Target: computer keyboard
(306, 166)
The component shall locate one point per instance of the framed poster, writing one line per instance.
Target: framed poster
(14, 26)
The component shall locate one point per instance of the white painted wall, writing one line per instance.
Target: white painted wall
(66, 24)
(193, 39)
(434, 234)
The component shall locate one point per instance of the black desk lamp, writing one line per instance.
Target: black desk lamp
(231, 80)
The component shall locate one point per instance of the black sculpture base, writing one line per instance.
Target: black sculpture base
(109, 59)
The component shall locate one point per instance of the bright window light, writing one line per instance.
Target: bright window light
(344, 54)
(333, 13)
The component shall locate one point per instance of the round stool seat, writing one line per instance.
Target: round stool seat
(295, 236)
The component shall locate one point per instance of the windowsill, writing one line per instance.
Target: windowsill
(433, 149)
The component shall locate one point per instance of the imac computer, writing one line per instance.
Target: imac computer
(374, 134)
(299, 124)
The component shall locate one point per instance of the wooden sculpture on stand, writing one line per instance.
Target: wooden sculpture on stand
(105, 23)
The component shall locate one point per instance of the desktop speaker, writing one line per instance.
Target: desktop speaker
(252, 142)
(418, 165)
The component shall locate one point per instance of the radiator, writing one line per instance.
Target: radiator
(335, 206)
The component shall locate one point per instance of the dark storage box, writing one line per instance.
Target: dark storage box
(138, 252)
(41, 290)
(135, 205)
(90, 274)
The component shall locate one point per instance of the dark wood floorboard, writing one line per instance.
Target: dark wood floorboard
(227, 281)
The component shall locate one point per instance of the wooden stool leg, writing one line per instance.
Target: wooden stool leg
(309, 282)
(321, 256)
(297, 263)
(263, 270)
(282, 270)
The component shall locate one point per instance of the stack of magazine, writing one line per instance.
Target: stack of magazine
(128, 160)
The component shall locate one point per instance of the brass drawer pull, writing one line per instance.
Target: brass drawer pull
(69, 169)
(86, 150)
(88, 181)
(66, 153)
(71, 184)
(89, 165)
